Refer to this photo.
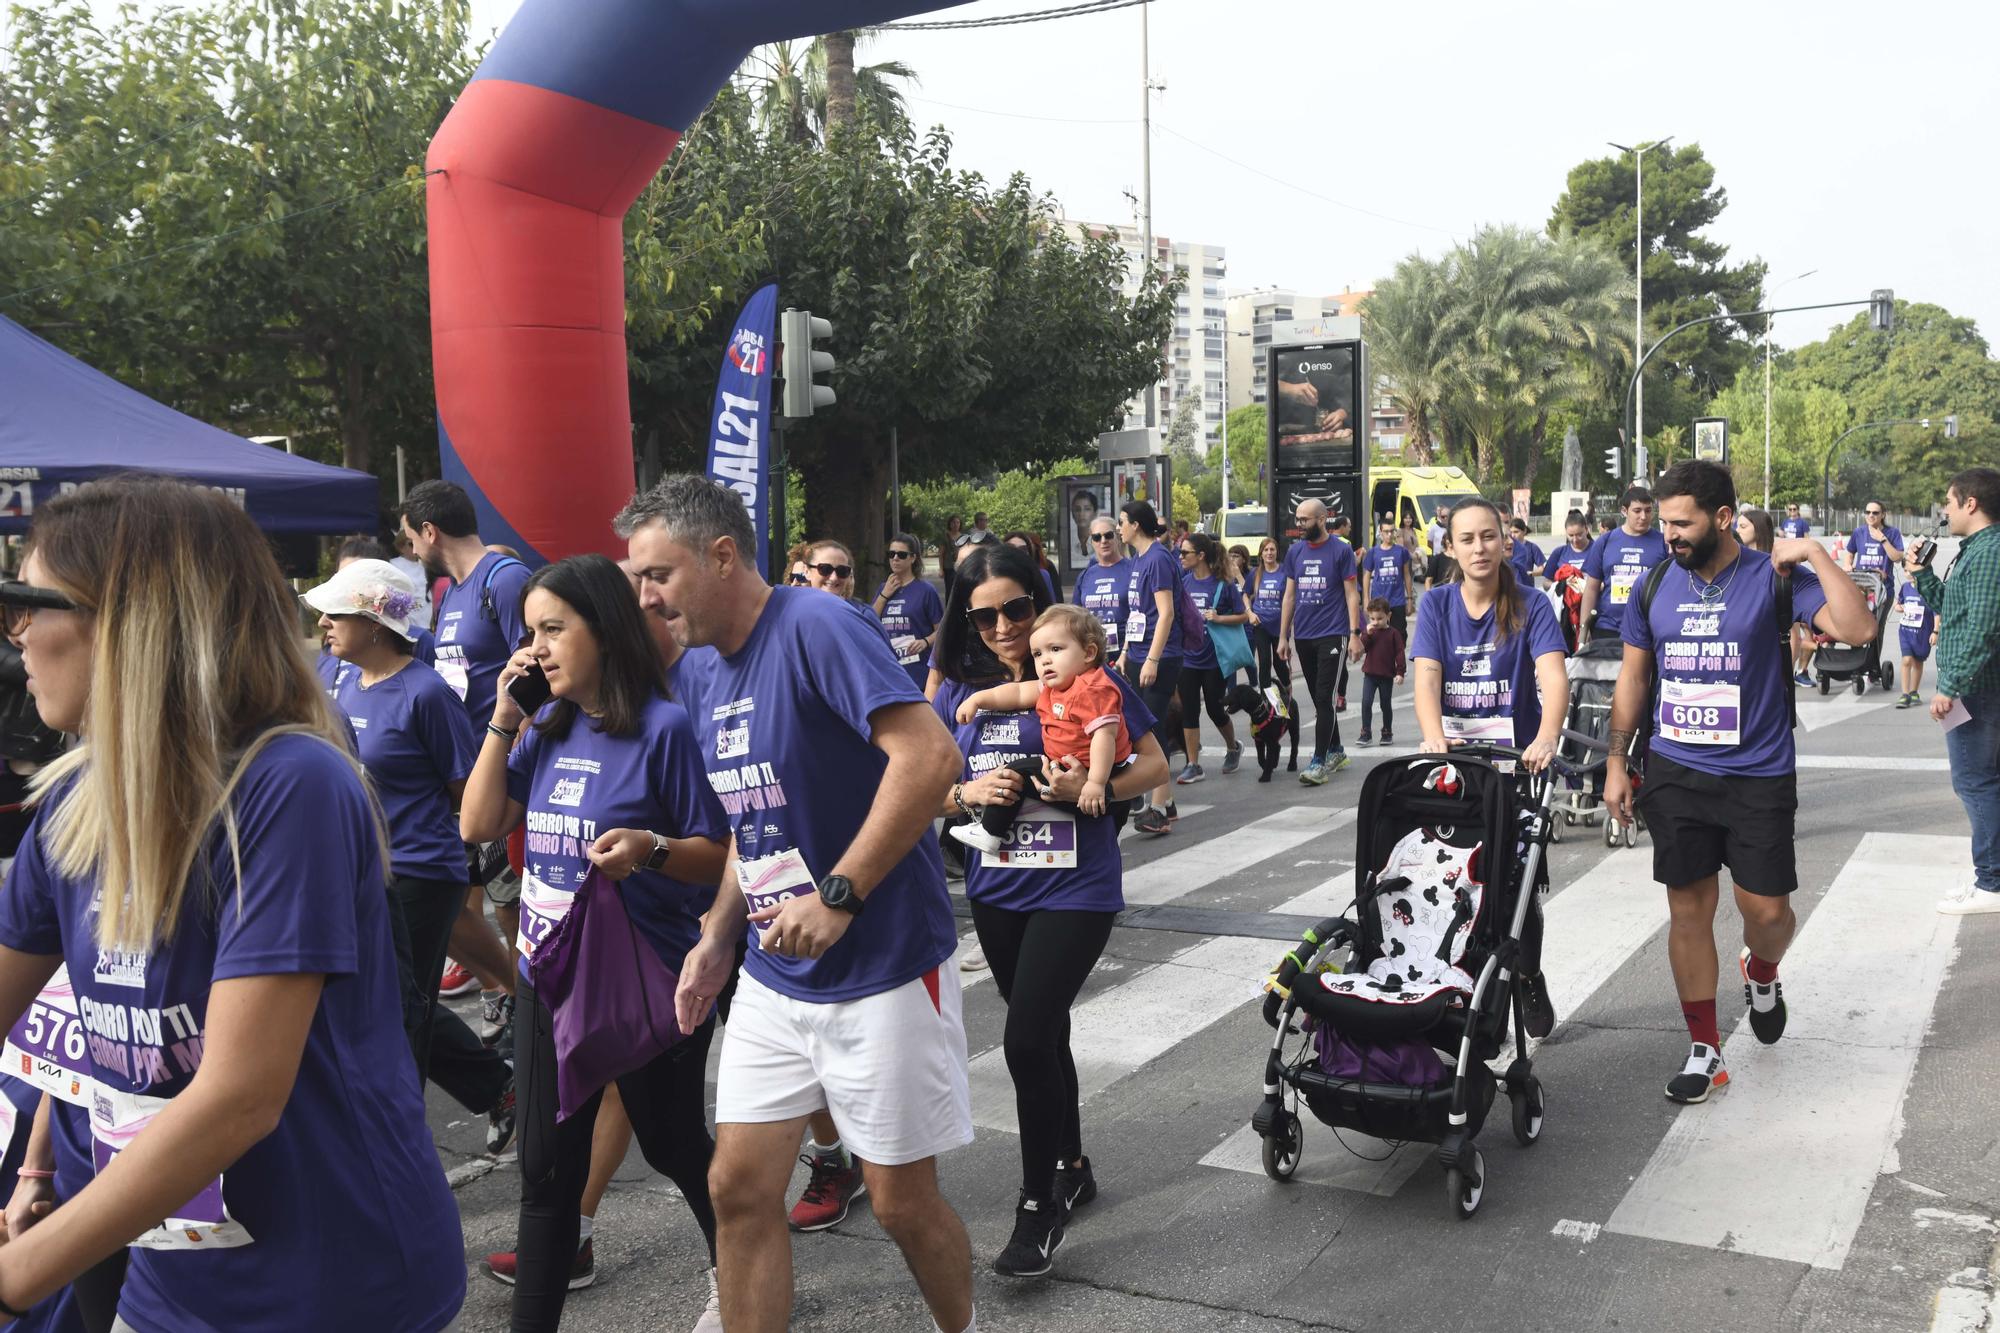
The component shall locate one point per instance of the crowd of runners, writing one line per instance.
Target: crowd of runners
(695, 801)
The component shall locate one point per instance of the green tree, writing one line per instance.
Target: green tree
(1405, 319)
(1687, 274)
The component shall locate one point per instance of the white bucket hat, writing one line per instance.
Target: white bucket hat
(372, 588)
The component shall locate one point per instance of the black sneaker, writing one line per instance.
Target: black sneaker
(1038, 1234)
(1151, 820)
(1538, 1012)
(1702, 1074)
(1075, 1185)
(1766, 1003)
(500, 1121)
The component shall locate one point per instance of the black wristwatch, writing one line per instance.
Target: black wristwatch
(838, 893)
(661, 851)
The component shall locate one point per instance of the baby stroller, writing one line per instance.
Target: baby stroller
(1860, 663)
(1593, 676)
(1446, 922)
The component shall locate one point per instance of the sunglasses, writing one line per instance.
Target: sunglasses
(899, 555)
(1872, 513)
(834, 571)
(1016, 609)
(1187, 551)
(1104, 536)
(798, 579)
(20, 601)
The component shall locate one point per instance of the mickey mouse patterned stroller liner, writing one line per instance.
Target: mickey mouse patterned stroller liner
(1395, 1044)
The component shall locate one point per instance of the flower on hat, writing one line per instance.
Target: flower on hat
(378, 599)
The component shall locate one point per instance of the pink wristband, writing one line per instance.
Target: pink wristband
(28, 1173)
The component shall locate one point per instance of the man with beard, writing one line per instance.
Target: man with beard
(1706, 668)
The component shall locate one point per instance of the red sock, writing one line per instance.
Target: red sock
(1759, 971)
(1700, 1016)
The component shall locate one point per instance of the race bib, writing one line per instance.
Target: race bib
(1621, 585)
(203, 1222)
(1042, 838)
(1700, 713)
(1135, 626)
(770, 880)
(454, 676)
(46, 1047)
(906, 650)
(1913, 616)
(1497, 730)
(541, 908)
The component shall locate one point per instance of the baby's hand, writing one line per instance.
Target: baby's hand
(1091, 800)
(968, 710)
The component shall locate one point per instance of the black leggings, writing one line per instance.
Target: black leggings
(1323, 661)
(449, 1054)
(1040, 961)
(667, 1103)
(1204, 687)
(1157, 696)
(1270, 666)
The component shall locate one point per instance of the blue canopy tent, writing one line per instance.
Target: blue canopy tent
(63, 423)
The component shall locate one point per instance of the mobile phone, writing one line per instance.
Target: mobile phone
(530, 691)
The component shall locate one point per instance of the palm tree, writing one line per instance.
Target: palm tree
(802, 89)
(1403, 319)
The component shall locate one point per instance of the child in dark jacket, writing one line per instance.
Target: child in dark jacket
(1381, 661)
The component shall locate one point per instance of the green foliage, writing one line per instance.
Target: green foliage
(1015, 501)
(1186, 505)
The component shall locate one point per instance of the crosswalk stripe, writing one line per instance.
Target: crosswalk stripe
(1184, 871)
(1818, 713)
(1117, 1031)
(1592, 929)
(1782, 1163)
(1186, 808)
(1875, 763)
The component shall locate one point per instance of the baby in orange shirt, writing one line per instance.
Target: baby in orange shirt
(1081, 712)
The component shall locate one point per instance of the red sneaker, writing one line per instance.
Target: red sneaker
(455, 982)
(828, 1193)
(582, 1272)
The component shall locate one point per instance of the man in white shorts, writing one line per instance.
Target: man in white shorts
(830, 765)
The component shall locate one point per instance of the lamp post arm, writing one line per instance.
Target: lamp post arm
(1833, 451)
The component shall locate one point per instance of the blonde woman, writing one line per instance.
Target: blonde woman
(239, 995)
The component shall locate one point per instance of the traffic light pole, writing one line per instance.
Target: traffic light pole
(1876, 300)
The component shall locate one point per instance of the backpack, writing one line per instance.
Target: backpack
(487, 611)
(1193, 628)
(1781, 602)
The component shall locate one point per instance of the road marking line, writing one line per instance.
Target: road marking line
(1817, 713)
(1783, 1163)
(1875, 763)
(1191, 808)
(1583, 1231)
(1182, 872)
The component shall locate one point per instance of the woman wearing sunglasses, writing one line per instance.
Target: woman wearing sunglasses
(211, 865)
(909, 607)
(1044, 906)
(1201, 683)
(830, 568)
(1100, 589)
(1152, 655)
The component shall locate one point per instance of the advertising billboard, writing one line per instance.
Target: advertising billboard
(1315, 405)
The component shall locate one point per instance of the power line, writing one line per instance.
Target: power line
(1293, 185)
(308, 211)
(1008, 20)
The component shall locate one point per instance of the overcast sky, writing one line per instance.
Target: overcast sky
(1855, 139)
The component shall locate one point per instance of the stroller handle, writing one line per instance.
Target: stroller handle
(1490, 750)
(1328, 934)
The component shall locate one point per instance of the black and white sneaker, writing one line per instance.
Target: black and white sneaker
(1703, 1073)
(1038, 1234)
(1766, 1003)
(1538, 1011)
(1075, 1185)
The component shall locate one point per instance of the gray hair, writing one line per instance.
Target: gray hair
(694, 511)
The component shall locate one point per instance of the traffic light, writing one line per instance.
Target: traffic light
(797, 332)
(1882, 310)
(1614, 461)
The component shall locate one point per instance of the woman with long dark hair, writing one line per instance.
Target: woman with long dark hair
(1042, 926)
(1755, 529)
(1201, 674)
(1152, 655)
(908, 607)
(1032, 544)
(1267, 602)
(609, 755)
(211, 866)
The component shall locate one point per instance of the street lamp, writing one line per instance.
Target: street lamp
(1639, 259)
(1767, 385)
(1223, 520)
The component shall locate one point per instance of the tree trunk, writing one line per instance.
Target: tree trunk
(1537, 442)
(847, 494)
(356, 440)
(839, 80)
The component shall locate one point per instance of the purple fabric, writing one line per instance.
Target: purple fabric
(1411, 1064)
(612, 997)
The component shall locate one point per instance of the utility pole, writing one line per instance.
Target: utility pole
(1639, 287)
(1146, 178)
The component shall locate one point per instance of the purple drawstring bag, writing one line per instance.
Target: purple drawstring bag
(1410, 1064)
(612, 997)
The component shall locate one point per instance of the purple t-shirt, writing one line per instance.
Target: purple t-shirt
(1563, 555)
(472, 645)
(1227, 601)
(912, 614)
(1095, 882)
(1485, 676)
(1915, 621)
(786, 736)
(1795, 527)
(1527, 558)
(351, 1143)
(689, 677)
(1384, 566)
(1871, 555)
(1153, 572)
(1322, 571)
(415, 738)
(1267, 598)
(1619, 561)
(1100, 590)
(1725, 672)
(586, 784)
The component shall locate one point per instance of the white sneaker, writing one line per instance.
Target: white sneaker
(976, 836)
(972, 960)
(1970, 902)
(711, 1314)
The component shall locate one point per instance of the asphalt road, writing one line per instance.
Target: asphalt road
(1848, 1179)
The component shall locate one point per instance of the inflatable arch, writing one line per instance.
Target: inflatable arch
(575, 108)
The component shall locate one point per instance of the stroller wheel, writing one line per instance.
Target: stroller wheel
(1861, 684)
(1610, 831)
(1463, 1196)
(1632, 834)
(1825, 685)
(1556, 829)
(1528, 1108)
(1284, 1148)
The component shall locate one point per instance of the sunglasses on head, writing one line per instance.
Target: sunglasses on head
(834, 571)
(1016, 609)
(898, 555)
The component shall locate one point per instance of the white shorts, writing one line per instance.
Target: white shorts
(891, 1067)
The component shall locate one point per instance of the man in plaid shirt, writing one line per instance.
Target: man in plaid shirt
(1968, 673)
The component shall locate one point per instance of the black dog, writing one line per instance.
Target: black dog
(1267, 723)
